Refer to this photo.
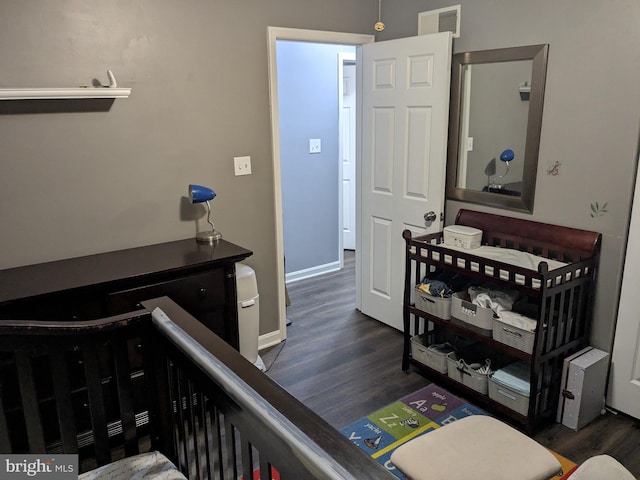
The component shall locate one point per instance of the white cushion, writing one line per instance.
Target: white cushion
(602, 467)
(147, 466)
(475, 447)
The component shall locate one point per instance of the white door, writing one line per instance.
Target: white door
(624, 381)
(348, 155)
(402, 152)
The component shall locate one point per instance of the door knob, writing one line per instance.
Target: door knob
(430, 217)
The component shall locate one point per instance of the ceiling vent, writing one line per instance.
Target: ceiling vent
(441, 20)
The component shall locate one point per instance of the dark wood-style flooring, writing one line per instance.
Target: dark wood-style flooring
(344, 365)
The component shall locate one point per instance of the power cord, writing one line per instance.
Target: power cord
(277, 355)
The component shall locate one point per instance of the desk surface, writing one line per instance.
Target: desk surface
(118, 266)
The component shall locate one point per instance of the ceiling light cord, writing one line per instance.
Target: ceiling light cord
(379, 26)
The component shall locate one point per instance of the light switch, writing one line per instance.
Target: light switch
(315, 145)
(469, 144)
(242, 165)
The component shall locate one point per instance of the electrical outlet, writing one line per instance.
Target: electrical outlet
(315, 145)
(242, 165)
(469, 144)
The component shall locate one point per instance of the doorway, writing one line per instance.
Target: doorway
(276, 34)
(401, 162)
(316, 110)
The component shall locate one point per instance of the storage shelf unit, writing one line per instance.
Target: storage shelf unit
(562, 299)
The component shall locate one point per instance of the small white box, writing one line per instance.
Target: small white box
(584, 379)
(462, 236)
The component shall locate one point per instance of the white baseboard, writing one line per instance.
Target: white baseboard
(274, 338)
(312, 272)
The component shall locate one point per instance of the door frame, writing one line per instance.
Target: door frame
(350, 59)
(273, 35)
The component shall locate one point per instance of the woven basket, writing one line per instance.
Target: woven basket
(513, 336)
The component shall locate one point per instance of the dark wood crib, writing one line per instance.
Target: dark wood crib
(157, 379)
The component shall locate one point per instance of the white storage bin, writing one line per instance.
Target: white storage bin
(463, 309)
(432, 358)
(462, 372)
(510, 387)
(462, 236)
(513, 336)
(436, 306)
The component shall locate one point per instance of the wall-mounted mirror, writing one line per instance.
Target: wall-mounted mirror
(494, 126)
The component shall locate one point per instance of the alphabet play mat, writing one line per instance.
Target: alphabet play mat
(419, 413)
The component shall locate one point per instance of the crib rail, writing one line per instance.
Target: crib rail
(115, 387)
(69, 387)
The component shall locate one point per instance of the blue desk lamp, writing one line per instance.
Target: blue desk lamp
(506, 157)
(199, 194)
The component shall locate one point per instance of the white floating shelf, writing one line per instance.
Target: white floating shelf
(110, 91)
(62, 93)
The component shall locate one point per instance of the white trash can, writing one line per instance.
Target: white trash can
(248, 313)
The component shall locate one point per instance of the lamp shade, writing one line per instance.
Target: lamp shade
(505, 156)
(199, 194)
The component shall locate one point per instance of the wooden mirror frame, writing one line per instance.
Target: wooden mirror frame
(538, 54)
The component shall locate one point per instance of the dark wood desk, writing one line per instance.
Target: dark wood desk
(200, 278)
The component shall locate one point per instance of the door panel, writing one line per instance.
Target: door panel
(624, 381)
(404, 118)
(417, 169)
(381, 235)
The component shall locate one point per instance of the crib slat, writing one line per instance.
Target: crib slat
(5, 442)
(581, 327)
(96, 405)
(125, 397)
(562, 320)
(230, 447)
(29, 397)
(205, 432)
(193, 423)
(247, 459)
(551, 326)
(265, 469)
(62, 392)
(215, 436)
(182, 436)
(571, 312)
(158, 386)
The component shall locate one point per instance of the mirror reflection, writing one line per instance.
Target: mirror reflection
(495, 121)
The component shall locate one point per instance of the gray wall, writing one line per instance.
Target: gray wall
(81, 183)
(591, 114)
